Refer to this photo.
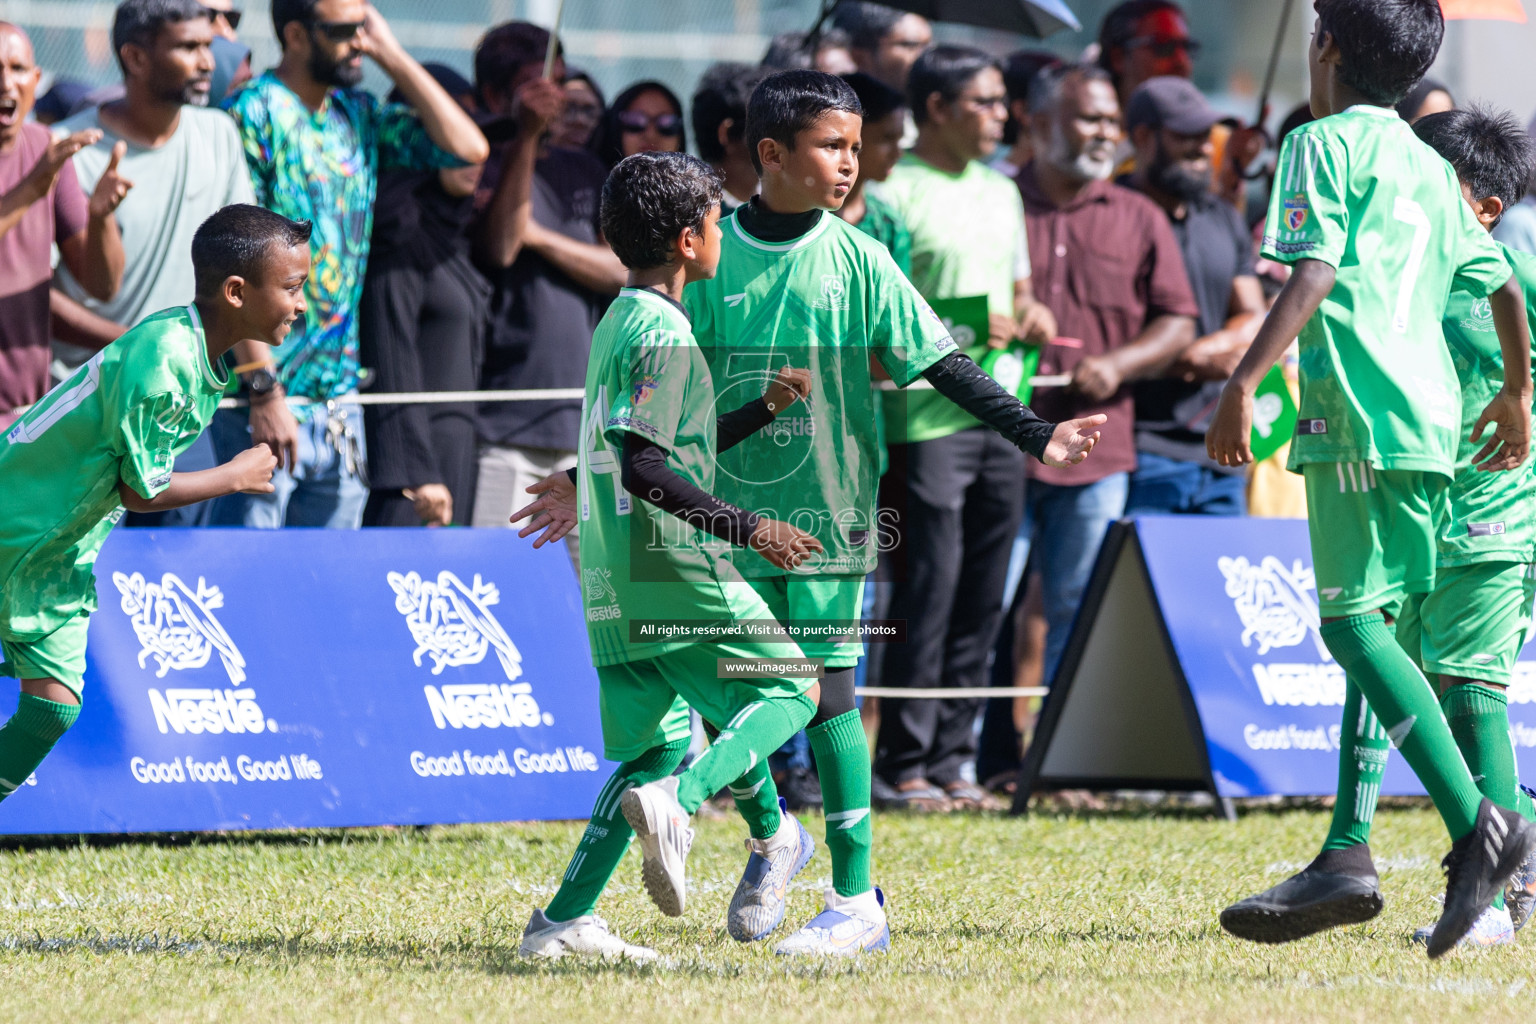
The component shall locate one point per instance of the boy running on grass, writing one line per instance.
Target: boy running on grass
(1373, 222)
(797, 286)
(650, 438)
(106, 439)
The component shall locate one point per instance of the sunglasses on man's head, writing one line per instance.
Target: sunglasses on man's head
(231, 16)
(634, 122)
(337, 31)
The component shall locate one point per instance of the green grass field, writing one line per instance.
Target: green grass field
(1046, 918)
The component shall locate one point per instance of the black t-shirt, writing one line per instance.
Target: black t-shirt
(1172, 415)
(541, 321)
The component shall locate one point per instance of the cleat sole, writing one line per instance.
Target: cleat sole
(1273, 926)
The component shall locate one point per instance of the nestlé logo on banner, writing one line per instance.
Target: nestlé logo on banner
(453, 625)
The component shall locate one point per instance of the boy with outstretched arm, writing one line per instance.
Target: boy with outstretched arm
(107, 439)
(650, 530)
(1375, 227)
(797, 286)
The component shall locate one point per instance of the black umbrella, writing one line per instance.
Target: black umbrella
(1037, 18)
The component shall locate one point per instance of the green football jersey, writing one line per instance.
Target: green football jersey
(1490, 518)
(646, 376)
(828, 301)
(968, 240)
(123, 416)
(1360, 192)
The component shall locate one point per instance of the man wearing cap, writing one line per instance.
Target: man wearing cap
(1170, 126)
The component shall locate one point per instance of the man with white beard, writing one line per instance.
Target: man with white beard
(1107, 265)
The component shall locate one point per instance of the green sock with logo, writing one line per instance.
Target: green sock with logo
(1401, 697)
(755, 732)
(757, 800)
(1479, 719)
(842, 764)
(608, 834)
(28, 737)
(1363, 752)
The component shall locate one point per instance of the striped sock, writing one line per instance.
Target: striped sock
(607, 836)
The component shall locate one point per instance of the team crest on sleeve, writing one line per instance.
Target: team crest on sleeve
(1297, 209)
(642, 389)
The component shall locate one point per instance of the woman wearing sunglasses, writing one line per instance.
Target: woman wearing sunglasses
(646, 117)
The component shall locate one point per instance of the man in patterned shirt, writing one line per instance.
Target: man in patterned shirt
(315, 144)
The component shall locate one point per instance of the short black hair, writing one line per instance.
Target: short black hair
(878, 99)
(505, 50)
(865, 23)
(1046, 88)
(236, 240)
(649, 198)
(1489, 149)
(139, 21)
(944, 70)
(722, 95)
(794, 50)
(787, 103)
(607, 142)
(1119, 26)
(284, 11)
(1385, 46)
(1019, 70)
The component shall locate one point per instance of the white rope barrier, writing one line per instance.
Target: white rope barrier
(547, 394)
(956, 693)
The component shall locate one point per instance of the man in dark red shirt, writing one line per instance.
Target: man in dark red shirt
(1108, 266)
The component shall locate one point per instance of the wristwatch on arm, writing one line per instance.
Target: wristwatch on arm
(258, 383)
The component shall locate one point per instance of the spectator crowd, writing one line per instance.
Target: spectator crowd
(1092, 219)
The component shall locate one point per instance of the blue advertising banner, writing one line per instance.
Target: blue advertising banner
(309, 678)
(1238, 600)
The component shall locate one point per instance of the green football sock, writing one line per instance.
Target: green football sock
(757, 799)
(29, 735)
(758, 730)
(1479, 719)
(842, 764)
(1401, 698)
(608, 835)
(1363, 751)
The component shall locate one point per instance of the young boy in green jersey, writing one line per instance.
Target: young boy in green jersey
(649, 444)
(107, 439)
(797, 286)
(1378, 235)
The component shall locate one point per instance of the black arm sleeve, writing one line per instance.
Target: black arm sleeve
(645, 474)
(960, 380)
(732, 428)
(571, 473)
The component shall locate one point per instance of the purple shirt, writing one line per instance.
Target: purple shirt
(26, 268)
(1106, 265)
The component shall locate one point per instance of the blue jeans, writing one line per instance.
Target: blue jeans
(1067, 524)
(1173, 487)
(322, 490)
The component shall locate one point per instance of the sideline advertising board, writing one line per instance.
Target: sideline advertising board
(245, 679)
(1196, 663)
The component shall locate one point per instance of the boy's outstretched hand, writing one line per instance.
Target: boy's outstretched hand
(1510, 416)
(787, 388)
(554, 512)
(253, 470)
(783, 545)
(1073, 440)
(1228, 438)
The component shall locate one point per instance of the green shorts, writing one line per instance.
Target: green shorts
(60, 655)
(1373, 534)
(1474, 623)
(645, 703)
(813, 601)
